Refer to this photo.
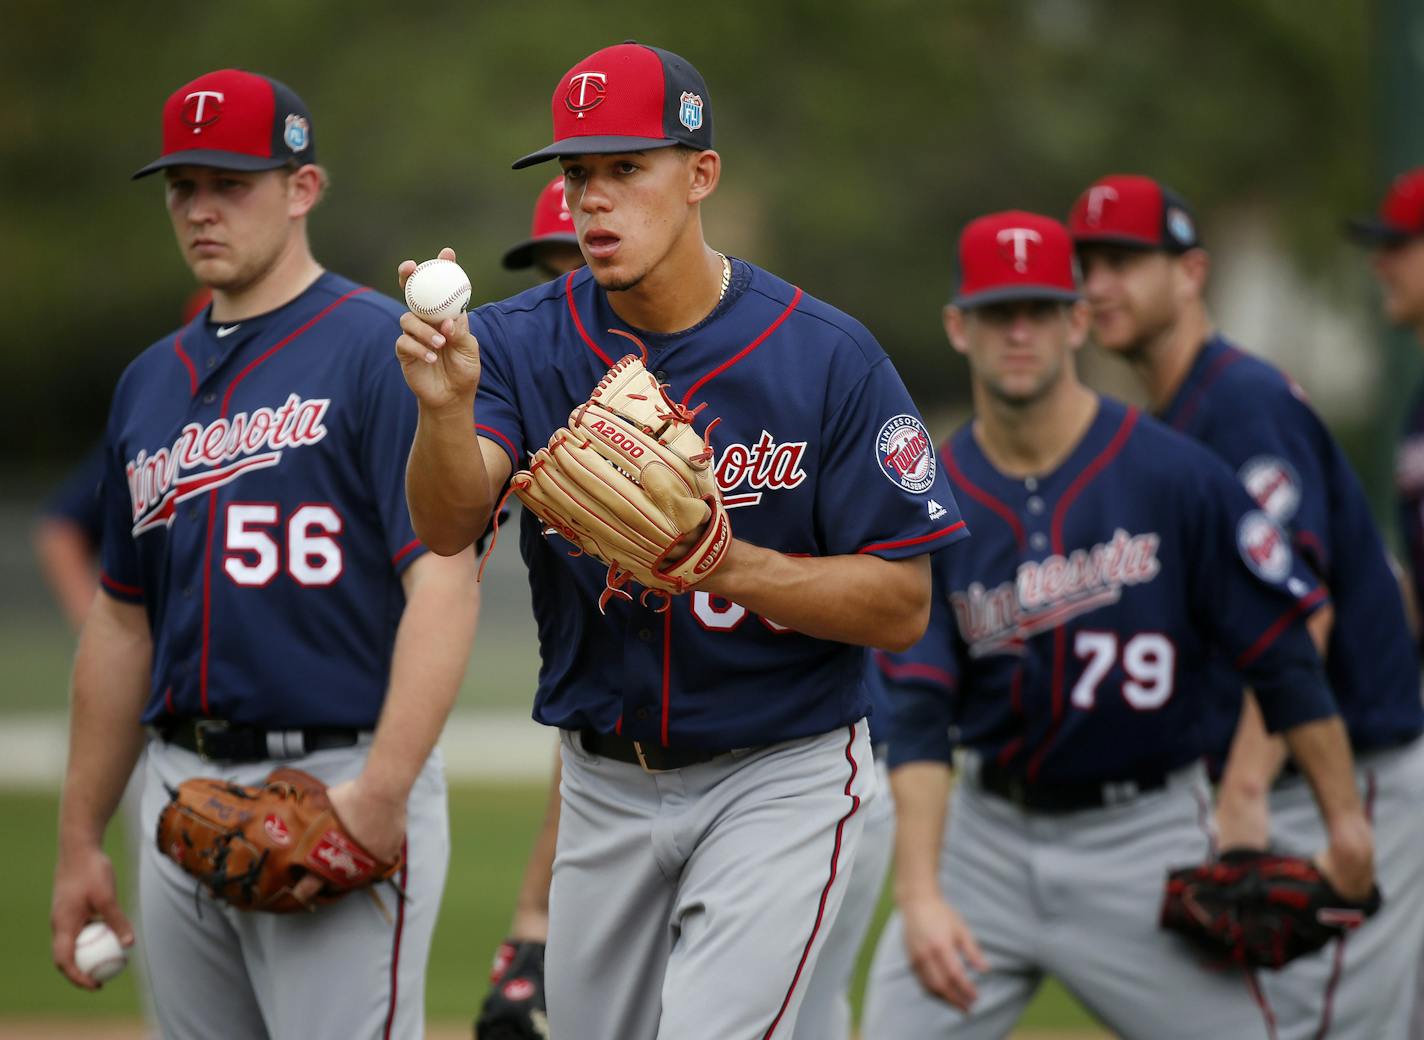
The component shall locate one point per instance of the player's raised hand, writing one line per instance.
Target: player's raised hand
(441, 364)
(942, 949)
(83, 890)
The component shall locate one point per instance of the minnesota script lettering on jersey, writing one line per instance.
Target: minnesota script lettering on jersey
(765, 464)
(1047, 593)
(255, 440)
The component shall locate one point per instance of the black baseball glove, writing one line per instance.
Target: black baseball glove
(514, 1007)
(1259, 909)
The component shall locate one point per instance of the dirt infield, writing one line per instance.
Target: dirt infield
(59, 1029)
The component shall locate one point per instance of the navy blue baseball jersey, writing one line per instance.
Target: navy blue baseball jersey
(1071, 644)
(1258, 421)
(254, 503)
(77, 497)
(819, 451)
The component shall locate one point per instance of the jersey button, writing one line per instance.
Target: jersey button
(1031, 483)
(209, 397)
(1038, 540)
(660, 376)
(641, 714)
(645, 634)
(1035, 505)
(212, 361)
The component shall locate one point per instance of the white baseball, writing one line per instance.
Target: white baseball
(98, 952)
(436, 290)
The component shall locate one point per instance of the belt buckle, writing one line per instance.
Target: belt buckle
(202, 727)
(642, 759)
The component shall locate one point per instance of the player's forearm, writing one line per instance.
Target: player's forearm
(921, 801)
(1255, 757)
(67, 561)
(1322, 751)
(109, 686)
(447, 484)
(432, 650)
(863, 600)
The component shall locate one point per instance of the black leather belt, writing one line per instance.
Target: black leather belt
(653, 757)
(218, 740)
(1064, 797)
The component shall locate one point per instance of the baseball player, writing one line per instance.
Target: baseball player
(1395, 237)
(715, 753)
(265, 600)
(1145, 272)
(1064, 660)
(516, 996)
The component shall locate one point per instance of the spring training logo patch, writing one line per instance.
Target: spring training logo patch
(906, 457)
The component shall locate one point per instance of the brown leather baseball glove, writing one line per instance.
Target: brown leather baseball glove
(630, 482)
(249, 846)
(1259, 909)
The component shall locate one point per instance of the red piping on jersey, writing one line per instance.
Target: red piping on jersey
(903, 542)
(1088, 474)
(396, 943)
(508, 444)
(1301, 606)
(826, 891)
(667, 672)
(213, 495)
(1218, 366)
(578, 322)
(120, 587)
(188, 363)
(914, 671)
(405, 550)
(983, 497)
(168, 700)
(795, 301)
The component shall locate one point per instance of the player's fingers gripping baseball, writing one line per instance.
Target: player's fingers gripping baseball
(84, 889)
(439, 370)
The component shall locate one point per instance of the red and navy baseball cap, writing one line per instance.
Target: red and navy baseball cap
(1014, 256)
(1125, 209)
(234, 120)
(1401, 214)
(627, 98)
(552, 224)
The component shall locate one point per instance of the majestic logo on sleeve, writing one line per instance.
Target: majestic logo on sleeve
(1045, 594)
(906, 457)
(763, 466)
(207, 457)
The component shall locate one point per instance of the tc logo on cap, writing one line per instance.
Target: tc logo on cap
(1014, 243)
(581, 86)
(1098, 196)
(202, 108)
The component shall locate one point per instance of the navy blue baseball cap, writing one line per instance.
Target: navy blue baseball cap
(234, 120)
(627, 98)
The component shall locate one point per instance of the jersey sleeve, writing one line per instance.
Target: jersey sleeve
(496, 403)
(1275, 449)
(120, 570)
(77, 498)
(1253, 594)
(921, 685)
(387, 431)
(882, 489)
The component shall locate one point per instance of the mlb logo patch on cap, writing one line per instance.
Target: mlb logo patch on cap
(627, 98)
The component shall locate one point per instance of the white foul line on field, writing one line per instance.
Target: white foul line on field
(475, 746)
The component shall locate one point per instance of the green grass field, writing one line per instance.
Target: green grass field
(491, 830)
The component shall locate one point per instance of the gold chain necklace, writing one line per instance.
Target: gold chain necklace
(726, 276)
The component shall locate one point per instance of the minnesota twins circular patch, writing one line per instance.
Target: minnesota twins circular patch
(905, 454)
(1263, 546)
